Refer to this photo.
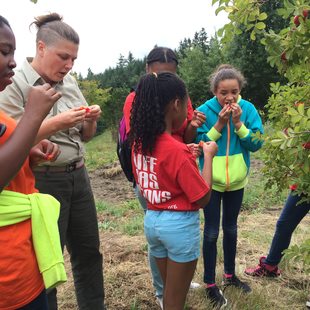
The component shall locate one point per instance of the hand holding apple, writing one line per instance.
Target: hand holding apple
(93, 113)
(45, 150)
(198, 119)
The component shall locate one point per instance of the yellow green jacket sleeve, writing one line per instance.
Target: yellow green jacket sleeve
(43, 210)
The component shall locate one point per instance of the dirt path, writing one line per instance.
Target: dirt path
(110, 184)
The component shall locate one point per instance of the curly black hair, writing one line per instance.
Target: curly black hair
(153, 94)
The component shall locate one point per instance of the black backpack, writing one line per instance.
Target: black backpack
(124, 150)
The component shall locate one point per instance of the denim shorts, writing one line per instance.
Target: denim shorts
(173, 234)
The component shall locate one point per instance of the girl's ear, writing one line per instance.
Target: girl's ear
(176, 104)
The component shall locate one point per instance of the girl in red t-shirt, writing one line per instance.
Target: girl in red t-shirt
(167, 176)
(21, 283)
(162, 59)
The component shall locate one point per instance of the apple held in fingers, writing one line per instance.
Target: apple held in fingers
(49, 157)
(87, 109)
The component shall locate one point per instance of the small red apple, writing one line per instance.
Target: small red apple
(296, 20)
(305, 13)
(306, 145)
(283, 56)
(49, 157)
(87, 109)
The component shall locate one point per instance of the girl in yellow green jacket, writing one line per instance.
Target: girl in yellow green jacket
(230, 122)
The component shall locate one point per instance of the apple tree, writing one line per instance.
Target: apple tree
(286, 151)
(287, 145)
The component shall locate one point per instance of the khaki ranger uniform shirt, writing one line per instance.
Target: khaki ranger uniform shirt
(14, 98)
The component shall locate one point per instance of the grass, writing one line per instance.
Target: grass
(128, 282)
(100, 151)
(258, 195)
(126, 218)
(127, 277)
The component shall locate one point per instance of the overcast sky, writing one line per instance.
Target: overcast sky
(109, 28)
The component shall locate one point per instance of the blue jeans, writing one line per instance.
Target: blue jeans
(157, 280)
(39, 303)
(212, 213)
(290, 217)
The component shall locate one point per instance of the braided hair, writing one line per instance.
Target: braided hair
(162, 55)
(153, 95)
(51, 28)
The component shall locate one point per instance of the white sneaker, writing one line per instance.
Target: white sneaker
(194, 285)
(160, 302)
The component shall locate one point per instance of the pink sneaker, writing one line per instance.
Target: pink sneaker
(263, 270)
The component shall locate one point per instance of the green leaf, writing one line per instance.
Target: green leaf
(253, 35)
(249, 26)
(214, 1)
(276, 142)
(288, 5)
(220, 32)
(260, 26)
(219, 9)
(252, 17)
(283, 145)
(301, 108)
(303, 122)
(295, 119)
(291, 111)
(290, 131)
(262, 16)
(289, 142)
(229, 9)
(282, 135)
(281, 12)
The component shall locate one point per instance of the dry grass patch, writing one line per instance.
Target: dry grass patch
(128, 283)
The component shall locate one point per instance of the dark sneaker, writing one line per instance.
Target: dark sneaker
(234, 281)
(263, 270)
(216, 297)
